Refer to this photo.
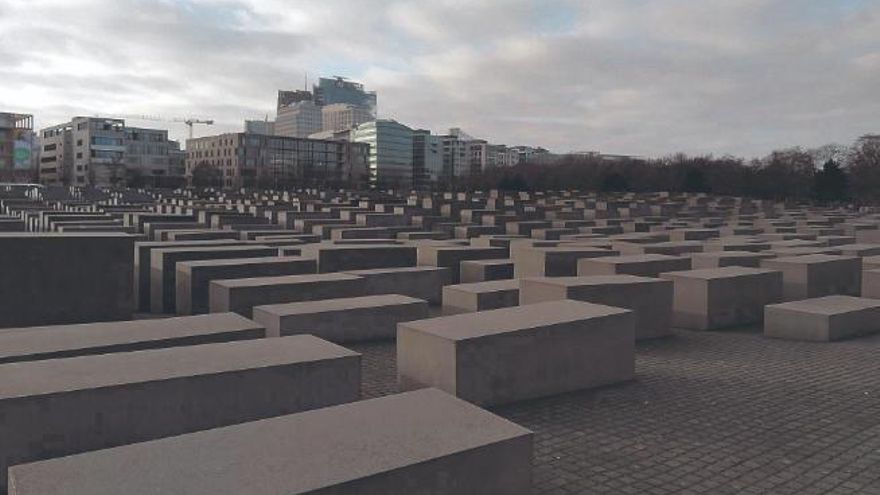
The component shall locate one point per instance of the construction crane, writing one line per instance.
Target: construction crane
(189, 121)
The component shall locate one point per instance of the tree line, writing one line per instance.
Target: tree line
(828, 174)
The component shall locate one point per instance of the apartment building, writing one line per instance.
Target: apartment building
(17, 139)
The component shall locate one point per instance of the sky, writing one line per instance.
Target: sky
(640, 77)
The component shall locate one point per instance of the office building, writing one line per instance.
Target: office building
(391, 152)
(104, 152)
(344, 116)
(257, 160)
(266, 127)
(84, 151)
(299, 119)
(339, 90)
(17, 157)
(286, 98)
(427, 159)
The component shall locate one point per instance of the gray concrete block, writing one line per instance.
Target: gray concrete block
(448, 256)
(338, 258)
(485, 270)
(480, 296)
(241, 295)
(63, 341)
(717, 298)
(822, 319)
(163, 268)
(560, 261)
(649, 298)
(423, 441)
(513, 354)
(643, 265)
(420, 282)
(193, 278)
(810, 276)
(48, 279)
(352, 319)
(61, 407)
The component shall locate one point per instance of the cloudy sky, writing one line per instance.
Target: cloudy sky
(646, 77)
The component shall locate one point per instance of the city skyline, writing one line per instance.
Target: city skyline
(649, 79)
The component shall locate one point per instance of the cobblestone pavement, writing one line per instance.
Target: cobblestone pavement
(709, 412)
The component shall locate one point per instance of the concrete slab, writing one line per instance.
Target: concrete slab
(817, 275)
(480, 296)
(513, 354)
(644, 265)
(649, 298)
(241, 295)
(716, 298)
(823, 319)
(61, 407)
(63, 341)
(423, 441)
(193, 278)
(351, 319)
(52, 278)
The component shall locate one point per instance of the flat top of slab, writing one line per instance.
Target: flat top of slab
(490, 286)
(64, 235)
(341, 304)
(732, 254)
(403, 269)
(47, 339)
(570, 248)
(594, 280)
(359, 245)
(635, 258)
(811, 258)
(496, 321)
(244, 261)
(714, 273)
(829, 305)
(205, 249)
(291, 454)
(107, 370)
(488, 262)
(285, 279)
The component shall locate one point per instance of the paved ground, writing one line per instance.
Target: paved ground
(713, 413)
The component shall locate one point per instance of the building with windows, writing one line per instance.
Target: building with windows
(103, 152)
(266, 127)
(427, 159)
(17, 144)
(391, 152)
(299, 119)
(339, 90)
(286, 97)
(235, 160)
(84, 151)
(344, 116)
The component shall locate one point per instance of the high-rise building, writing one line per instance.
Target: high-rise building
(339, 90)
(17, 163)
(391, 152)
(299, 119)
(103, 151)
(286, 98)
(266, 127)
(344, 116)
(257, 160)
(427, 158)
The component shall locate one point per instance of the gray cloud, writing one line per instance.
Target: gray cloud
(626, 76)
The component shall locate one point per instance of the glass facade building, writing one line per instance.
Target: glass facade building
(391, 152)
